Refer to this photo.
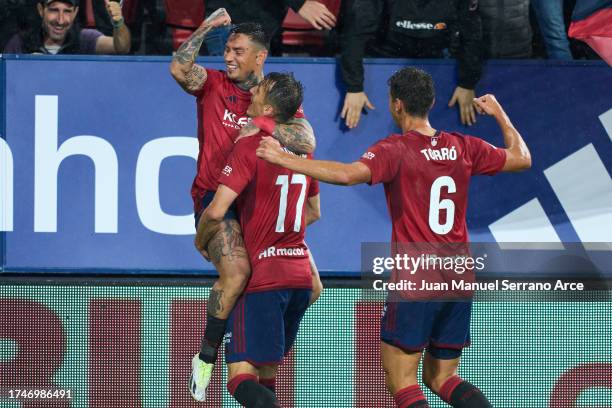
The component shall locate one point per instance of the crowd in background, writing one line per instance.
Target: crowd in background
(510, 28)
(471, 31)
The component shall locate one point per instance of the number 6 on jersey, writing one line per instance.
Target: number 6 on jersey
(435, 205)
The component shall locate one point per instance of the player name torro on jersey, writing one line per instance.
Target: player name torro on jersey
(444, 153)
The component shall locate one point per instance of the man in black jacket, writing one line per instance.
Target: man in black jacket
(269, 13)
(410, 29)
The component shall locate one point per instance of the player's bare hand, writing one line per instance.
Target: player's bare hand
(247, 131)
(354, 103)
(318, 15)
(464, 97)
(487, 104)
(201, 249)
(114, 11)
(220, 17)
(270, 150)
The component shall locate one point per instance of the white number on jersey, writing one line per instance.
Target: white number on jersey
(283, 181)
(435, 205)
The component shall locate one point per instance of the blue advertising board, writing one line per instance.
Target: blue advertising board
(100, 155)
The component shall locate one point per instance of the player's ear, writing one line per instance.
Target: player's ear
(40, 9)
(268, 110)
(261, 56)
(398, 105)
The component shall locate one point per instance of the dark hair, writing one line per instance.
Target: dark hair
(284, 93)
(254, 31)
(415, 88)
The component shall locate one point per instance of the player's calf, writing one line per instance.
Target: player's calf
(459, 393)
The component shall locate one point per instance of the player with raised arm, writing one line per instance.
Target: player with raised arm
(222, 99)
(274, 206)
(418, 177)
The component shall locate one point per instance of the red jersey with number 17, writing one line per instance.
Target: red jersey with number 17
(426, 182)
(222, 108)
(271, 206)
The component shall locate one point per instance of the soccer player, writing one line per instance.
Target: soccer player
(426, 192)
(274, 206)
(222, 100)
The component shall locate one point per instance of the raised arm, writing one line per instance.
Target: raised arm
(121, 41)
(518, 157)
(190, 76)
(327, 171)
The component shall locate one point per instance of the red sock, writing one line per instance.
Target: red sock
(446, 390)
(410, 397)
(235, 382)
(269, 383)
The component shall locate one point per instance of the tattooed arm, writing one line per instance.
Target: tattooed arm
(297, 135)
(190, 76)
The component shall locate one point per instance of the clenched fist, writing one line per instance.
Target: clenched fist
(487, 104)
(270, 150)
(218, 18)
(114, 11)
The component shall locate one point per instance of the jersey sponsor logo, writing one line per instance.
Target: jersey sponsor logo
(230, 119)
(227, 170)
(409, 25)
(443, 153)
(368, 155)
(273, 251)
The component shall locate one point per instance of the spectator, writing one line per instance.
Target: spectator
(549, 14)
(506, 30)
(270, 14)
(58, 33)
(414, 29)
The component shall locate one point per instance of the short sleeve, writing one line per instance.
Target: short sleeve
(240, 167)
(213, 79)
(383, 159)
(486, 158)
(88, 39)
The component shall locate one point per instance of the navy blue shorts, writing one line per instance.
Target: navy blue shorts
(231, 214)
(263, 325)
(443, 328)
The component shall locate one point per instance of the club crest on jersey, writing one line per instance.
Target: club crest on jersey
(230, 119)
(232, 98)
(434, 141)
(227, 170)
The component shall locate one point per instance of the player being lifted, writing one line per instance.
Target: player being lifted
(415, 183)
(274, 206)
(222, 99)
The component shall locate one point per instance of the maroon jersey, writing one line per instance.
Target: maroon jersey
(426, 182)
(271, 206)
(222, 108)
